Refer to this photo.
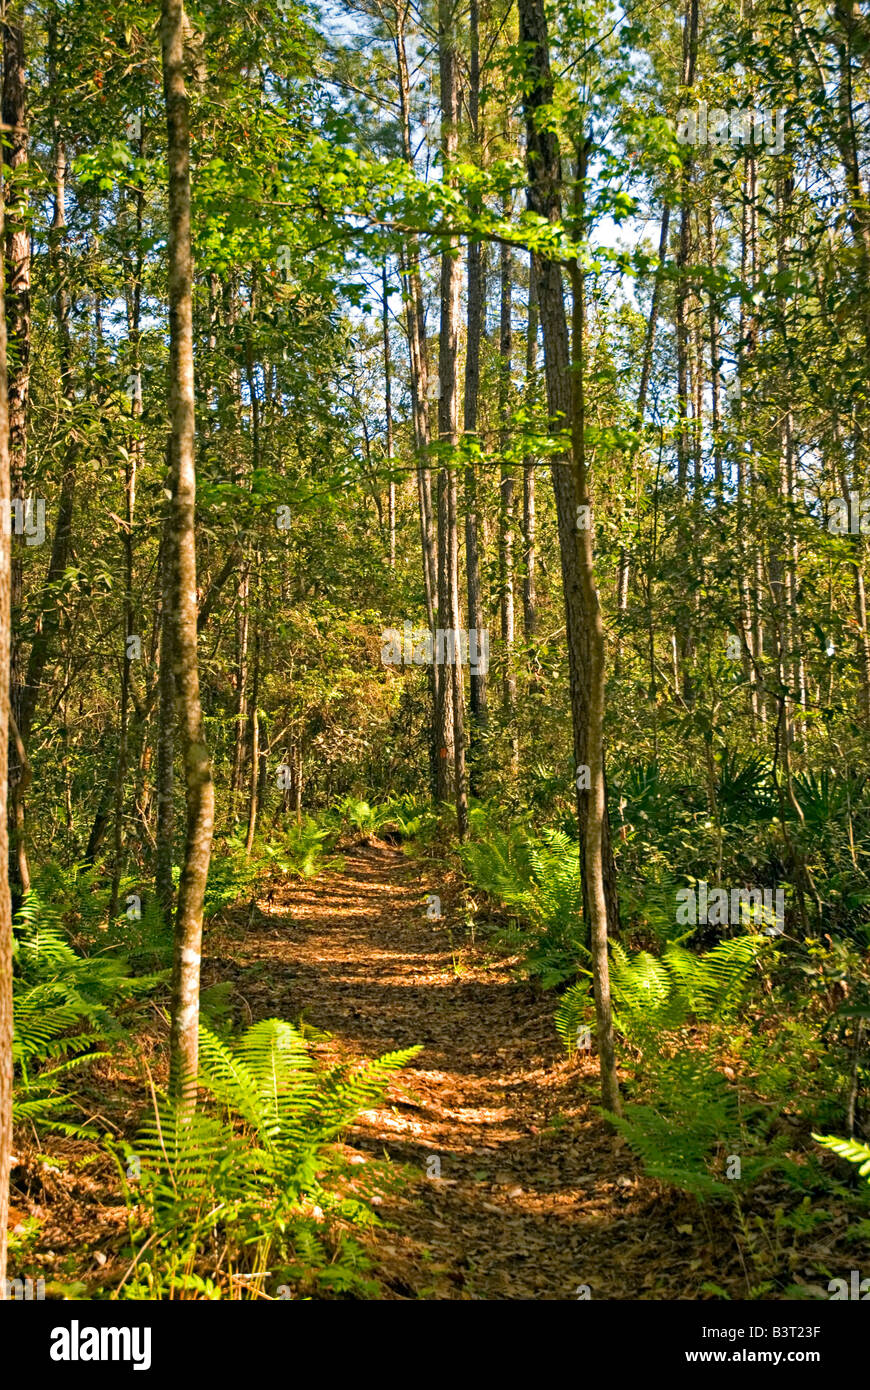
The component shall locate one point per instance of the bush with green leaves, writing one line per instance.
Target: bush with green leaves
(62, 1013)
(656, 993)
(296, 851)
(689, 1119)
(301, 851)
(246, 1196)
(408, 817)
(537, 878)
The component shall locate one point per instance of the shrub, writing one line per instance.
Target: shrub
(249, 1188)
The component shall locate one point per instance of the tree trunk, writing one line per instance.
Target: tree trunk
(506, 509)
(388, 410)
(5, 896)
(623, 572)
(165, 775)
(242, 624)
(448, 719)
(131, 463)
(417, 348)
(530, 615)
(46, 627)
(684, 303)
(199, 788)
(474, 331)
(582, 607)
(17, 245)
(254, 762)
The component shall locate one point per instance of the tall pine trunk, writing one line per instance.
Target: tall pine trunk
(17, 249)
(450, 730)
(5, 896)
(530, 603)
(563, 363)
(507, 504)
(478, 701)
(199, 788)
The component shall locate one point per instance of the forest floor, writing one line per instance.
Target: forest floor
(505, 1181)
(512, 1186)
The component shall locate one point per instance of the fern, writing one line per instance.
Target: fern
(685, 1135)
(651, 993)
(238, 1182)
(540, 880)
(692, 1121)
(61, 1015)
(850, 1149)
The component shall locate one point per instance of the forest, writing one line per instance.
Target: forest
(435, 773)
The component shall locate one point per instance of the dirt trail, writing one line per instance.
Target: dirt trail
(516, 1188)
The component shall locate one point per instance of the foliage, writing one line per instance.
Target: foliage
(652, 993)
(850, 1149)
(538, 878)
(251, 1189)
(62, 1016)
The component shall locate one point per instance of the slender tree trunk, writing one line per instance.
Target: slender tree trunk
(684, 305)
(417, 348)
(715, 366)
(17, 244)
(460, 789)
(199, 788)
(478, 700)
(165, 774)
(582, 606)
(130, 474)
(388, 410)
(859, 597)
(624, 567)
(506, 509)
(530, 603)
(595, 841)
(254, 764)
(744, 594)
(448, 722)
(690, 50)
(754, 488)
(5, 895)
(46, 627)
(242, 625)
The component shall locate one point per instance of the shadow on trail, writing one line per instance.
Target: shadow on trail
(513, 1186)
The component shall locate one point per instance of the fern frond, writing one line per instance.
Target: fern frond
(850, 1149)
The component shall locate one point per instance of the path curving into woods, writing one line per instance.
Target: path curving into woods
(511, 1186)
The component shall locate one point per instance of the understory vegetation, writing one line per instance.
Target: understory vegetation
(436, 808)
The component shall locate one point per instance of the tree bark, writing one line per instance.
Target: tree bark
(199, 788)
(17, 250)
(388, 411)
(254, 764)
(684, 301)
(165, 773)
(450, 734)
(419, 359)
(506, 508)
(5, 895)
(530, 614)
(478, 700)
(582, 608)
